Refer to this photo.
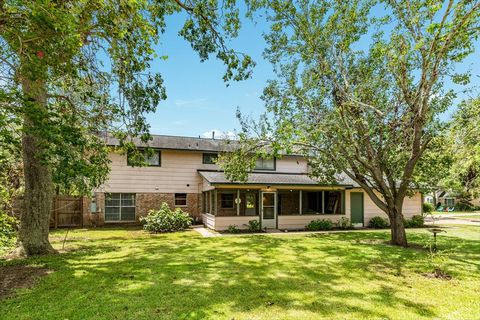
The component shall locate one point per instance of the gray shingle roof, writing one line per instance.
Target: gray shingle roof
(218, 177)
(181, 143)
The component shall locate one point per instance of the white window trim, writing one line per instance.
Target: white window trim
(120, 208)
(180, 205)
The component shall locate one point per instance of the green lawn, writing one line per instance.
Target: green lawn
(128, 274)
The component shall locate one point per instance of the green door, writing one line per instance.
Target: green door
(356, 207)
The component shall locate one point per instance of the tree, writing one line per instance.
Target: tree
(464, 174)
(73, 70)
(360, 87)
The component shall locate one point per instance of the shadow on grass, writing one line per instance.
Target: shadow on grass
(183, 276)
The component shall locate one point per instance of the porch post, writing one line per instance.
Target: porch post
(300, 202)
(238, 202)
(210, 202)
(215, 206)
(323, 201)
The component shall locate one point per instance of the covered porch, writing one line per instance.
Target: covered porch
(277, 201)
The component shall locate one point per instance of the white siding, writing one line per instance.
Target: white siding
(222, 223)
(208, 220)
(411, 206)
(178, 169)
(292, 164)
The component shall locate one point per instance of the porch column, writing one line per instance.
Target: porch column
(238, 202)
(215, 205)
(300, 201)
(323, 201)
(210, 202)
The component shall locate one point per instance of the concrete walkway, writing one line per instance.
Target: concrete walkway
(206, 233)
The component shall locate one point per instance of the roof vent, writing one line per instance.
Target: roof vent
(213, 134)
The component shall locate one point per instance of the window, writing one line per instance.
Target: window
(152, 158)
(288, 202)
(333, 204)
(119, 207)
(265, 164)
(180, 199)
(324, 202)
(226, 200)
(210, 158)
(449, 202)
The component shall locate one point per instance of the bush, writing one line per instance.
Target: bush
(233, 229)
(344, 223)
(464, 206)
(253, 225)
(378, 223)
(417, 221)
(427, 208)
(317, 225)
(166, 220)
(8, 231)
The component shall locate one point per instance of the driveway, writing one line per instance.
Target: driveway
(471, 219)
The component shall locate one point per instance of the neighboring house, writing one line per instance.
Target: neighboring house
(278, 194)
(450, 199)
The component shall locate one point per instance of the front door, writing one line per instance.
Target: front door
(356, 208)
(269, 210)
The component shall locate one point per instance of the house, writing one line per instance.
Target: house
(182, 172)
(444, 198)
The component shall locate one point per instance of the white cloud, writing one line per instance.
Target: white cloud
(182, 103)
(219, 134)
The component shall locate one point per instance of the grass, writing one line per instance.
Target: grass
(129, 274)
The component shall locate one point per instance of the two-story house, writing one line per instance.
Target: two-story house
(182, 172)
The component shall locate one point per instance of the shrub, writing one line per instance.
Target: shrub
(378, 223)
(233, 229)
(427, 208)
(166, 220)
(8, 231)
(416, 221)
(464, 206)
(344, 223)
(253, 225)
(317, 225)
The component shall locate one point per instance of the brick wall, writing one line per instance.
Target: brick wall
(144, 202)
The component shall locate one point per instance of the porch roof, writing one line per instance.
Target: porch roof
(272, 178)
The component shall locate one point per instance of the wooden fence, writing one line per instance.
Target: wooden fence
(67, 211)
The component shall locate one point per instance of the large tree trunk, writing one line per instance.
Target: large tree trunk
(34, 221)
(397, 228)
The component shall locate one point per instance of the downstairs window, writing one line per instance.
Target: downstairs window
(119, 207)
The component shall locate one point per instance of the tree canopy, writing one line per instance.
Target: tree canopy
(73, 70)
(360, 88)
(464, 174)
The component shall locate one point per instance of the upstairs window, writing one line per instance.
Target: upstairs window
(152, 158)
(210, 158)
(180, 199)
(265, 164)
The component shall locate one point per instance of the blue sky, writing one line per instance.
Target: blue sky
(198, 99)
